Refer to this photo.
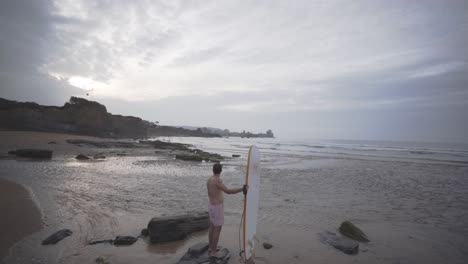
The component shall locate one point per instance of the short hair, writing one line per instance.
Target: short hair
(217, 168)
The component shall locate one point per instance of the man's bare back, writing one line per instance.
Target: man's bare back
(215, 189)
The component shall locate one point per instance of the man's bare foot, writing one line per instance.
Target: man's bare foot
(216, 254)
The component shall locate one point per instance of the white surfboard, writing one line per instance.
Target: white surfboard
(252, 179)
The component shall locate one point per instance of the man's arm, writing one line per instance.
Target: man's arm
(225, 189)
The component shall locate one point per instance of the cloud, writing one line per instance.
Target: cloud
(301, 58)
(27, 37)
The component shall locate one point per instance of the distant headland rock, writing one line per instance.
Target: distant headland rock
(84, 117)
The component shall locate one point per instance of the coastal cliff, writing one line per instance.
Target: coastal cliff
(83, 117)
(78, 116)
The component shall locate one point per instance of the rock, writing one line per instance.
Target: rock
(105, 241)
(52, 143)
(144, 232)
(99, 156)
(165, 229)
(105, 144)
(165, 145)
(350, 230)
(197, 249)
(118, 241)
(82, 157)
(344, 244)
(124, 240)
(101, 260)
(32, 153)
(206, 156)
(57, 236)
(235, 155)
(267, 245)
(189, 157)
(78, 116)
(198, 254)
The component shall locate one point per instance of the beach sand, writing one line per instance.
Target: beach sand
(20, 215)
(10, 140)
(413, 213)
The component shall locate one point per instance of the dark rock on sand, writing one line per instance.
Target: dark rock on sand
(198, 254)
(118, 241)
(99, 156)
(165, 229)
(82, 157)
(165, 145)
(350, 230)
(32, 153)
(144, 232)
(235, 155)
(206, 156)
(344, 244)
(101, 260)
(189, 157)
(57, 236)
(124, 240)
(105, 144)
(267, 245)
(105, 241)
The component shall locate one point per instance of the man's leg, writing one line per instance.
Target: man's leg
(210, 238)
(216, 234)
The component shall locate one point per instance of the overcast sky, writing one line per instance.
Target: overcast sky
(386, 70)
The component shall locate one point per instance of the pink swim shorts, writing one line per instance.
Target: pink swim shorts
(216, 212)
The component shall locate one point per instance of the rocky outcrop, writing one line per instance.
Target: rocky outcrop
(78, 116)
(81, 157)
(57, 236)
(166, 229)
(32, 153)
(158, 144)
(104, 144)
(206, 156)
(189, 157)
(343, 244)
(350, 230)
(198, 254)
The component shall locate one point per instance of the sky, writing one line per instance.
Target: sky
(376, 70)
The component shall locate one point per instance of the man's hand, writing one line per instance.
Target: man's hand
(245, 188)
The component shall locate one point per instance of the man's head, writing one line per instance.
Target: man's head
(217, 168)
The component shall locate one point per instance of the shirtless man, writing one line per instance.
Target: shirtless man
(216, 188)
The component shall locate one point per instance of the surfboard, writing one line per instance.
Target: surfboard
(252, 179)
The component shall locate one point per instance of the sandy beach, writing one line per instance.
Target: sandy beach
(20, 215)
(413, 212)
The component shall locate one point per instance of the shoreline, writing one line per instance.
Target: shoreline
(23, 217)
(404, 208)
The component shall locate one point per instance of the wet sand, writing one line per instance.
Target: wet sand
(412, 212)
(20, 215)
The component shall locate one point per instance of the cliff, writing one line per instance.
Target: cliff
(166, 131)
(78, 116)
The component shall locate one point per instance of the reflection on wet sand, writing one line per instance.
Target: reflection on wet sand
(412, 212)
